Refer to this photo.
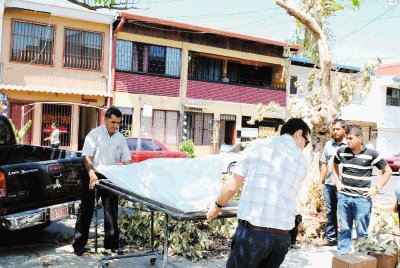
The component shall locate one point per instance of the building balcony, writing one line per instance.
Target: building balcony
(244, 91)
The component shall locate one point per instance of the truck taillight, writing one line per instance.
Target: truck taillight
(55, 167)
(3, 186)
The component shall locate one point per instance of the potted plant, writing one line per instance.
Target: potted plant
(384, 239)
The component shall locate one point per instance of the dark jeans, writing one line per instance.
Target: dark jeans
(55, 145)
(85, 215)
(255, 249)
(331, 200)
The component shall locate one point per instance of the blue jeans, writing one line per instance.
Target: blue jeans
(331, 200)
(252, 249)
(351, 209)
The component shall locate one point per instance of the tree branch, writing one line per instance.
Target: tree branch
(308, 21)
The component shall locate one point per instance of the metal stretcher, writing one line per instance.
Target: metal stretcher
(228, 211)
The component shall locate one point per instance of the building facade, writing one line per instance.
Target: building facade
(378, 114)
(56, 65)
(176, 81)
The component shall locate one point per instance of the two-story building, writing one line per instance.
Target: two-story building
(378, 114)
(176, 81)
(55, 67)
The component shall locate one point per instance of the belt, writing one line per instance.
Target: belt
(249, 226)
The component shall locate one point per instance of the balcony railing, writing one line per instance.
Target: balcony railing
(248, 83)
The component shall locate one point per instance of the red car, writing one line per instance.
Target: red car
(143, 148)
(394, 162)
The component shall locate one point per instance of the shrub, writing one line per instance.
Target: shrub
(188, 147)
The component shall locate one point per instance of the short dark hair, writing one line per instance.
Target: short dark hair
(294, 124)
(113, 111)
(354, 129)
(339, 121)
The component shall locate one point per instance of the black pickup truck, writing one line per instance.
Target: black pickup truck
(37, 184)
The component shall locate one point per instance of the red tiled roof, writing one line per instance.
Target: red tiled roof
(201, 29)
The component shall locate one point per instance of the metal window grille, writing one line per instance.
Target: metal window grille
(61, 114)
(393, 96)
(126, 123)
(162, 126)
(20, 113)
(146, 58)
(32, 43)
(200, 128)
(83, 50)
(293, 88)
(228, 117)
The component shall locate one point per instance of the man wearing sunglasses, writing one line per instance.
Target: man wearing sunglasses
(274, 170)
(327, 185)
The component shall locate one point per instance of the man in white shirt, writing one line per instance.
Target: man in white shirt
(103, 145)
(275, 169)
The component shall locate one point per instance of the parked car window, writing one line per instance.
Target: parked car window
(132, 144)
(157, 147)
(146, 145)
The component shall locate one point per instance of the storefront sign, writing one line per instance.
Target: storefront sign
(265, 132)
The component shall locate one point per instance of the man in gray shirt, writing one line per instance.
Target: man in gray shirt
(327, 182)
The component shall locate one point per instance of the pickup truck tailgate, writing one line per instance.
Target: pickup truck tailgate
(37, 184)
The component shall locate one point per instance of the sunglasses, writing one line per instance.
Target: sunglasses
(307, 140)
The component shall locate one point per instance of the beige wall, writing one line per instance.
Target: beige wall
(53, 76)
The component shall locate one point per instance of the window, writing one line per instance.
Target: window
(146, 58)
(146, 145)
(126, 121)
(132, 144)
(162, 126)
(32, 43)
(61, 114)
(83, 50)
(204, 68)
(293, 88)
(392, 96)
(200, 128)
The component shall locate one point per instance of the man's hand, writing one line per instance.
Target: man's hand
(93, 181)
(320, 188)
(339, 185)
(370, 192)
(213, 213)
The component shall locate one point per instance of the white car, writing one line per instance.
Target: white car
(231, 156)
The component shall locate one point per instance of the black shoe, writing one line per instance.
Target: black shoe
(80, 251)
(118, 251)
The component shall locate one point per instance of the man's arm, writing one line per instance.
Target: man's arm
(323, 170)
(335, 172)
(230, 188)
(88, 160)
(387, 172)
(128, 162)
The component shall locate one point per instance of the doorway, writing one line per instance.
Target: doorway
(88, 120)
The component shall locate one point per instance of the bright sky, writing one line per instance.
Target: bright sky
(359, 36)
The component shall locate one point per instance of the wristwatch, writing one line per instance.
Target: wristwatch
(218, 205)
(378, 190)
